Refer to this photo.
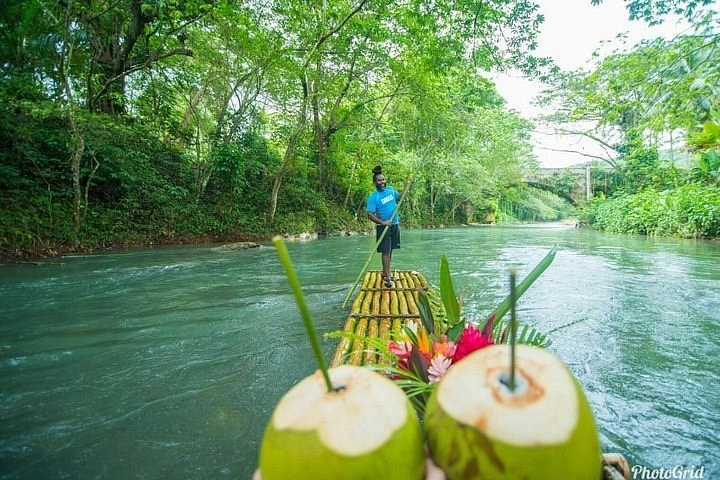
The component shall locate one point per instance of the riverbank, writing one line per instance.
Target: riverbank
(47, 253)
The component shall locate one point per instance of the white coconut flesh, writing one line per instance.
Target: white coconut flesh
(542, 410)
(360, 416)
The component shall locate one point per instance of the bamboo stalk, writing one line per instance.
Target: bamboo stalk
(367, 301)
(375, 310)
(421, 279)
(384, 335)
(397, 325)
(418, 281)
(385, 302)
(412, 306)
(411, 284)
(372, 332)
(394, 305)
(400, 282)
(343, 346)
(359, 343)
(358, 301)
(403, 303)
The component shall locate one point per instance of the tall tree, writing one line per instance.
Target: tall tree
(661, 88)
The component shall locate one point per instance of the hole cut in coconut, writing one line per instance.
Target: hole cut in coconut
(520, 387)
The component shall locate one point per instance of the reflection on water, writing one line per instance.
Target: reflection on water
(167, 363)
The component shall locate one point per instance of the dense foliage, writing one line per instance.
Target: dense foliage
(140, 122)
(688, 211)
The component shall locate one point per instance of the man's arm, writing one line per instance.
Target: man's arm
(377, 220)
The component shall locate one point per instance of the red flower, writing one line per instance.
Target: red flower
(471, 339)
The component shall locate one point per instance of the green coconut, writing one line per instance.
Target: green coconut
(478, 428)
(366, 428)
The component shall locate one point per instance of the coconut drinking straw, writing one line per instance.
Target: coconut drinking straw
(513, 324)
(382, 236)
(304, 312)
(504, 306)
(508, 379)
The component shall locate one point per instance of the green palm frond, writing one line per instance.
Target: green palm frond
(526, 335)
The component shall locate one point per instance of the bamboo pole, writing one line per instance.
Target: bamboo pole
(385, 302)
(411, 284)
(402, 299)
(343, 346)
(372, 332)
(397, 325)
(385, 325)
(358, 301)
(367, 302)
(412, 305)
(394, 305)
(359, 343)
(375, 310)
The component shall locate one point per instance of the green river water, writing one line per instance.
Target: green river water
(166, 363)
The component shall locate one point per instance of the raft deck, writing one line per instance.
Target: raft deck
(376, 312)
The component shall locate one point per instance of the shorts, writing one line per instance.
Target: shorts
(391, 241)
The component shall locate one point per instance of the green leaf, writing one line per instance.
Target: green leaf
(455, 331)
(426, 315)
(411, 335)
(447, 293)
(504, 307)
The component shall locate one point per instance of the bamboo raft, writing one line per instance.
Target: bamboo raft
(376, 312)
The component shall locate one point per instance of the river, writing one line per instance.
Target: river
(167, 362)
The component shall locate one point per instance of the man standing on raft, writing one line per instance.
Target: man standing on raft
(382, 210)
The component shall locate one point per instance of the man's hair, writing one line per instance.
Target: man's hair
(376, 171)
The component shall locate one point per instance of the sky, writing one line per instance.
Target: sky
(572, 31)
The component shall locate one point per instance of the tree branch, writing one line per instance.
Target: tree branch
(609, 161)
(332, 32)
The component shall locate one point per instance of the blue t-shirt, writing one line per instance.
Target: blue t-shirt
(383, 203)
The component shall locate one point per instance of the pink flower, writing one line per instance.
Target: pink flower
(444, 347)
(438, 367)
(471, 339)
(400, 350)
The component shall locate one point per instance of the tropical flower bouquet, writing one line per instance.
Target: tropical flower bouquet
(421, 352)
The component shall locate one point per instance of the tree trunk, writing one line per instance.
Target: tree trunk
(75, 162)
(289, 150)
